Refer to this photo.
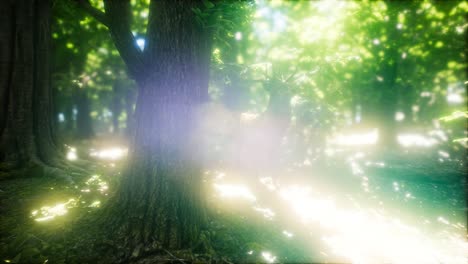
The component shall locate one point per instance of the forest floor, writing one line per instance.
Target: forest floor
(354, 206)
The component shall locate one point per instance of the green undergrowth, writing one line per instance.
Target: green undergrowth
(26, 238)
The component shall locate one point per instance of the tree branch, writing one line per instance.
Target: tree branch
(119, 16)
(92, 11)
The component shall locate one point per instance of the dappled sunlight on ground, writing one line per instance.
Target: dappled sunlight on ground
(406, 140)
(376, 219)
(89, 196)
(370, 235)
(371, 226)
(46, 213)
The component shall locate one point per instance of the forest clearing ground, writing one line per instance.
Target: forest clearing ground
(239, 231)
(29, 237)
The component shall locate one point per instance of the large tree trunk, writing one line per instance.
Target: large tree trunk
(130, 99)
(160, 200)
(27, 131)
(118, 90)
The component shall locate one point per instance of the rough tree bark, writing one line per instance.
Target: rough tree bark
(27, 133)
(159, 203)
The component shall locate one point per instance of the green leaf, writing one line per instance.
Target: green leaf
(208, 4)
(197, 11)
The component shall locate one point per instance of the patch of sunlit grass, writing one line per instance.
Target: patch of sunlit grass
(97, 182)
(46, 213)
(95, 204)
(93, 184)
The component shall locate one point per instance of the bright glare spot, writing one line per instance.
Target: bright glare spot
(141, 43)
(49, 213)
(399, 116)
(369, 138)
(288, 234)
(409, 140)
(96, 181)
(268, 182)
(61, 117)
(71, 154)
(220, 175)
(268, 257)
(462, 141)
(438, 133)
(444, 154)
(250, 252)
(368, 236)
(95, 204)
(376, 42)
(248, 116)
(376, 164)
(267, 212)
(307, 208)
(234, 191)
(443, 220)
(329, 152)
(426, 94)
(356, 168)
(109, 154)
(238, 36)
(455, 98)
